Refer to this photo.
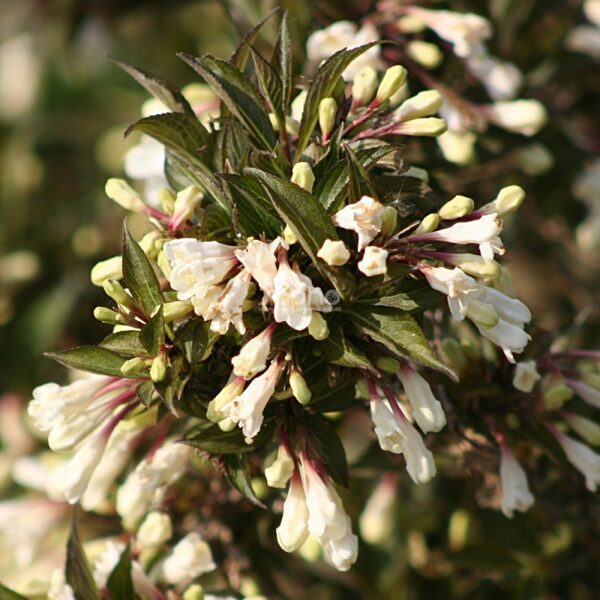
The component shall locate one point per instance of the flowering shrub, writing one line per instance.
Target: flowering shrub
(296, 274)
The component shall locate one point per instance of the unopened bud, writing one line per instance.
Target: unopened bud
(155, 530)
(227, 424)
(424, 104)
(194, 592)
(185, 204)
(132, 366)
(318, 327)
(458, 529)
(327, 116)
(427, 127)
(425, 53)
(586, 428)
(173, 311)
(526, 117)
(299, 388)
(483, 314)
(158, 369)
(163, 264)
(392, 81)
(428, 224)
(106, 315)
(303, 176)
(534, 159)
(364, 86)
(456, 208)
(402, 94)
(474, 264)
(526, 376)
(555, 396)
(167, 200)
(389, 220)
(289, 236)
(152, 243)
(509, 199)
(278, 473)
(232, 390)
(388, 364)
(116, 291)
(124, 195)
(334, 253)
(591, 379)
(458, 147)
(111, 268)
(410, 24)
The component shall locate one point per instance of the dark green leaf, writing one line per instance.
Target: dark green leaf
(322, 86)
(336, 348)
(270, 85)
(238, 94)
(120, 581)
(152, 334)
(172, 386)
(77, 569)
(309, 222)
(198, 341)
(359, 182)
(329, 447)
(145, 393)
(418, 300)
(236, 472)
(240, 57)
(209, 438)
(7, 594)
(336, 398)
(282, 61)
(90, 358)
(160, 88)
(398, 332)
(125, 343)
(139, 275)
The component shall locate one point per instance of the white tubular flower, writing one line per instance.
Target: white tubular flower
(501, 79)
(259, 260)
(583, 458)
(426, 409)
(278, 473)
(154, 531)
(362, 217)
(344, 34)
(327, 519)
(247, 409)
(334, 253)
(586, 392)
(526, 117)
(513, 481)
(293, 529)
(390, 437)
(419, 460)
(71, 479)
(526, 376)
(72, 412)
(373, 261)
(424, 104)
(227, 310)
(459, 287)
(465, 31)
(252, 358)
(378, 513)
(133, 500)
(483, 231)
(190, 558)
(115, 457)
(196, 266)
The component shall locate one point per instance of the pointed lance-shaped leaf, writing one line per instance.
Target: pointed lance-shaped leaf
(77, 569)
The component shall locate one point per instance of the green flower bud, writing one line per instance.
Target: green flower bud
(303, 176)
(591, 379)
(194, 592)
(173, 311)
(299, 388)
(167, 200)
(456, 208)
(554, 396)
(132, 366)
(389, 220)
(392, 81)
(111, 268)
(429, 223)
(158, 369)
(586, 428)
(116, 291)
(364, 86)
(106, 315)
(483, 314)
(318, 327)
(388, 364)
(124, 195)
(425, 53)
(327, 116)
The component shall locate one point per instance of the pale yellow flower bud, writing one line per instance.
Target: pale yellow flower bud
(456, 208)
(167, 200)
(124, 195)
(111, 268)
(194, 592)
(133, 365)
(364, 86)
(289, 236)
(278, 473)
(483, 314)
(392, 81)
(554, 396)
(227, 394)
(227, 424)
(427, 127)
(426, 54)
(303, 176)
(299, 387)
(327, 116)
(586, 428)
(116, 291)
(428, 224)
(106, 315)
(318, 327)
(424, 104)
(173, 311)
(509, 199)
(389, 220)
(158, 369)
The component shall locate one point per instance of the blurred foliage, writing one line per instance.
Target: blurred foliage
(63, 108)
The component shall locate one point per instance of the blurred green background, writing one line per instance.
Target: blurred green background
(63, 109)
